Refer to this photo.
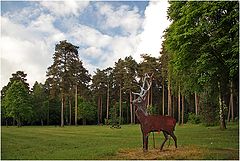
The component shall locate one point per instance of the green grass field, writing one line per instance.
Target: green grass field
(102, 142)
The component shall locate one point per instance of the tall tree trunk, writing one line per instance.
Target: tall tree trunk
(107, 105)
(173, 104)
(76, 99)
(48, 113)
(70, 111)
(120, 104)
(231, 99)
(221, 109)
(62, 108)
(18, 122)
(151, 96)
(115, 114)
(131, 107)
(84, 121)
(163, 98)
(101, 110)
(13, 121)
(182, 109)
(229, 110)
(169, 98)
(196, 103)
(41, 121)
(179, 105)
(134, 116)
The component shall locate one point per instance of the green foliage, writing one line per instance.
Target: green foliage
(199, 39)
(193, 118)
(86, 110)
(99, 82)
(152, 110)
(18, 76)
(209, 112)
(130, 73)
(17, 102)
(54, 111)
(40, 103)
(114, 114)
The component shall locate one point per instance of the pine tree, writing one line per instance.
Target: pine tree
(66, 72)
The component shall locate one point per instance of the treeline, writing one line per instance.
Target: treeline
(202, 46)
(195, 77)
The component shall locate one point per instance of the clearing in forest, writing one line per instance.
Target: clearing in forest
(102, 142)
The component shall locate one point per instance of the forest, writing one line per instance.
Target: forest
(195, 77)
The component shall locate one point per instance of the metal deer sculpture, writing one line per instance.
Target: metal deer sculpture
(152, 123)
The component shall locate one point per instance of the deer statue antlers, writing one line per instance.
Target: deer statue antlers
(144, 91)
(152, 123)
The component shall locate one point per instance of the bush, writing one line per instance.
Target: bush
(194, 119)
(210, 117)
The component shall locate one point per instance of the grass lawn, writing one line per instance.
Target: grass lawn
(102, 142)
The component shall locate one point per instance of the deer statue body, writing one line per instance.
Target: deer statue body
(152, 123)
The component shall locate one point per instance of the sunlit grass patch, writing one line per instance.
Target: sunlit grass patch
(183, 152)
(187, 152)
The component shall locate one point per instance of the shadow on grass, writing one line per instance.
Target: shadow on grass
(184, 152)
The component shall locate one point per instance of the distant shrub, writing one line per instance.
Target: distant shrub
(109, 122)
(193, 118)
(210, 117)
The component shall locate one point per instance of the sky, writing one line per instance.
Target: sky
(105, 31)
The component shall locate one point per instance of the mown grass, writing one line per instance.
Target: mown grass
(102, 142)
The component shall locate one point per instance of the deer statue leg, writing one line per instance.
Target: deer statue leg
(174, 138)
(143, 137)
(166, 138)
(143, 140)
(145, 144)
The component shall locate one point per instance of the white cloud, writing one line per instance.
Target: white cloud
(44, 23)
(25, 15)
(155, 23)
(89, 36)
(124, 17)
(27, 48)
(14, 30)
(92, 51)
(25, 55)
(106, 49)
(103, 49)
(67, 7)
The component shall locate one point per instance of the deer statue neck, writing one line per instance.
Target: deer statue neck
(141, 114)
